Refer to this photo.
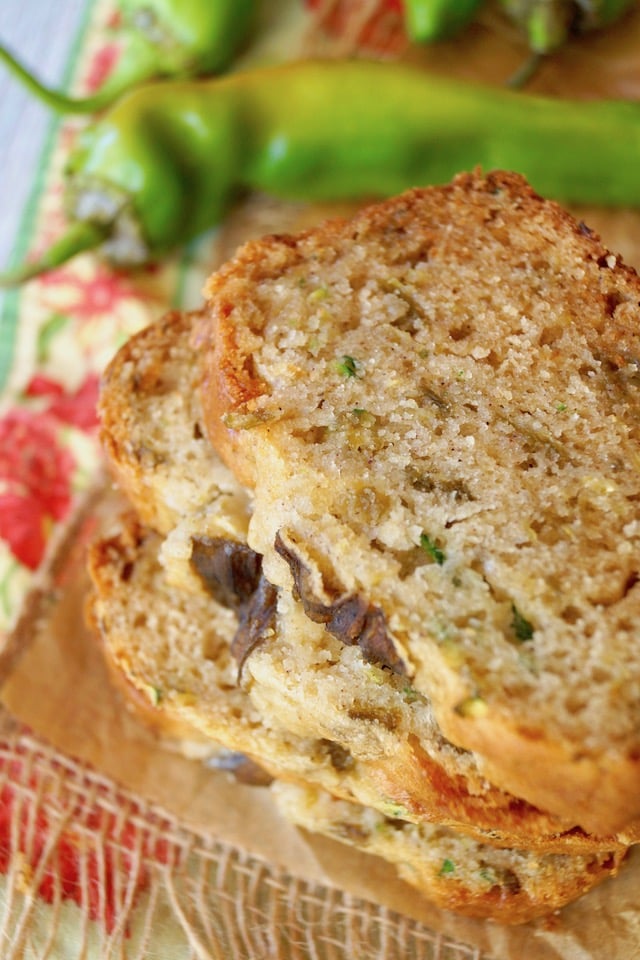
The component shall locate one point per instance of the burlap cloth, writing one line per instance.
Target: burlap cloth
(110, 844)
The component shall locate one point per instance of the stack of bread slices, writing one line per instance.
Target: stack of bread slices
(383, 544)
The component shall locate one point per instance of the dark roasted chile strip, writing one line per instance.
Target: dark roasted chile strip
(346, 618)
(376, 644)
(257, 623)
(230, 571)
(252, 774)
(244, 769)
(317, 610)
(349, 618)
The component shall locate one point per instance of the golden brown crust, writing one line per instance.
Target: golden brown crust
(576, 779)
(137, 368)
(455, 872)
(152, 428)
(227, 386)
(500, 314)
(169, 728)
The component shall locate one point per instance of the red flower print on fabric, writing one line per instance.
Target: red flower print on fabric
(77, 407)
(102, 65)
(35, 482)
(366, 25)
(89, 296)
(76, 848)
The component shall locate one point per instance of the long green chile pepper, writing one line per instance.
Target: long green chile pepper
(162, 38)
(166, 161)
(430, 20)
(601, 13)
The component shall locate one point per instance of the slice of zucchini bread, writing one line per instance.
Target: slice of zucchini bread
(436, 404)
(301, 706)
(305, 682)
(172, 647)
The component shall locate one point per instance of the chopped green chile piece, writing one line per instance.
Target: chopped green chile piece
(520, 625)
(432, 549)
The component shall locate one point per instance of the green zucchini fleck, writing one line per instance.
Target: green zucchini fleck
(432, 549)
(521, 627)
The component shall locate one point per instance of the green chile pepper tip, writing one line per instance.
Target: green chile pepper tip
(166, 161)
(549, 23)
(161, 38)
(429, 20)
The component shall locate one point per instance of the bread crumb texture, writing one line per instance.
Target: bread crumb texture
(437, 404)
(153, 434)
(455, 871)
(296, 696)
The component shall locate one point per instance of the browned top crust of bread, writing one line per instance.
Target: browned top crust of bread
(437, 406)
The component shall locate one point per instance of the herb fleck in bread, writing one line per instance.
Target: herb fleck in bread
(453, 870)
(436, 405)
(366, 723)
(172, 646)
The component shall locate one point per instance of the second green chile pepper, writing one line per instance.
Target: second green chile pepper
(162, 38)
(430, 20)
(167, 160)
(549, 23)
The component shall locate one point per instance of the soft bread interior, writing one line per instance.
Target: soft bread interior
(437, 405)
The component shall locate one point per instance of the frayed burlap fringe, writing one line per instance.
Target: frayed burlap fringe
(90, 872)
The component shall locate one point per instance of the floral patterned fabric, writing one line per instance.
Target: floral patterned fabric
(59, 332)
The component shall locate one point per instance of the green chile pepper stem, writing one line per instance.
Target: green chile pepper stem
(429, 20)
(77, 239)
(604, 12)
(548, 23)
(168, 159)
(136, 65)
(162, 38)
